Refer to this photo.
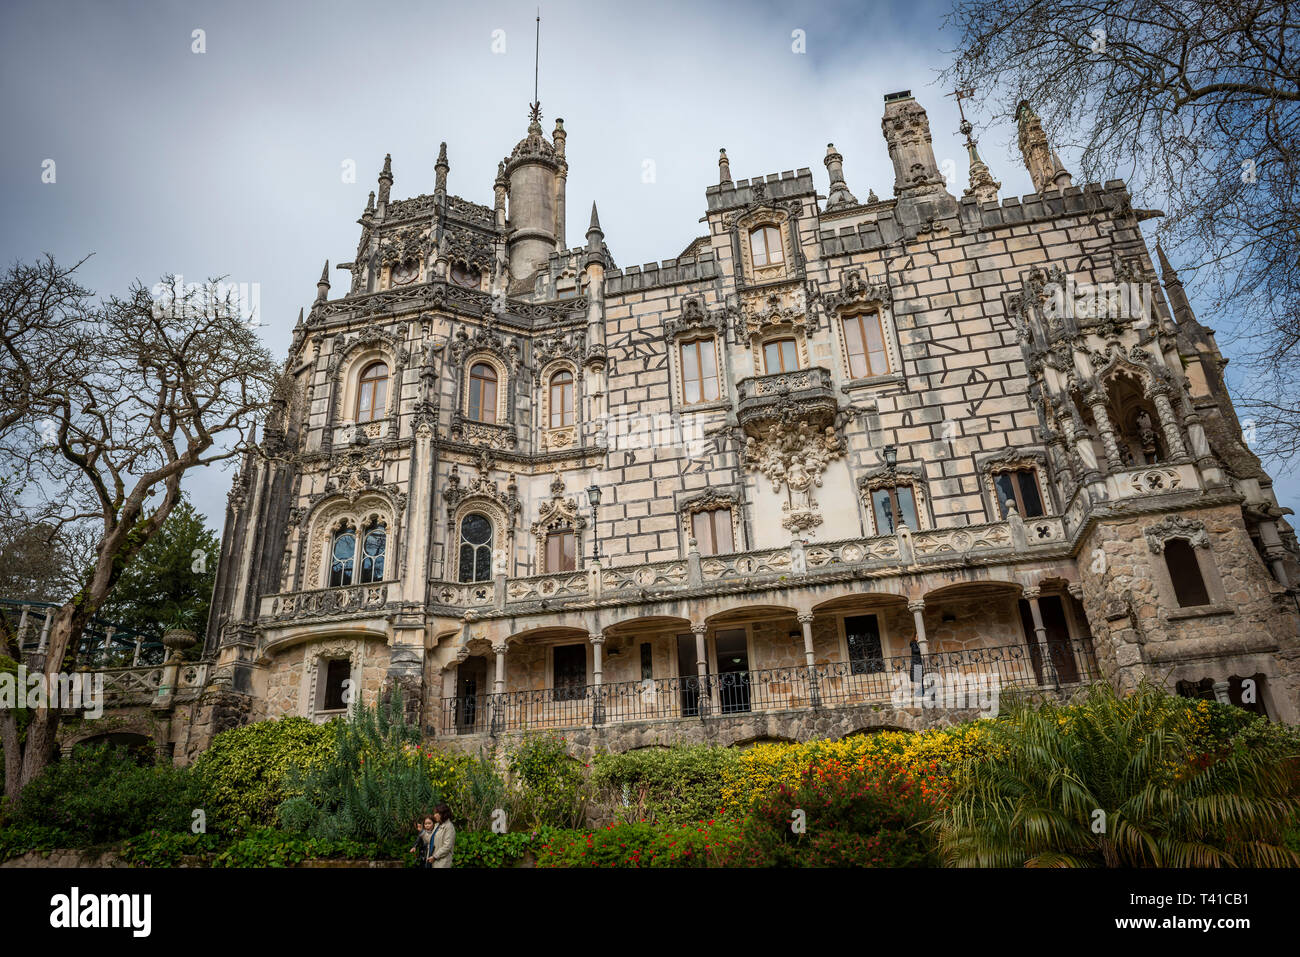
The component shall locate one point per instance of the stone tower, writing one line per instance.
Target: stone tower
(535, 172)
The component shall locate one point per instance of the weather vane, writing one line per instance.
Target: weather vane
(536, 111)
(962, 94)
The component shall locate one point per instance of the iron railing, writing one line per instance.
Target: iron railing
(959, 679)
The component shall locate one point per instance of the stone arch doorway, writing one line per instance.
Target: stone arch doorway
(140, 747)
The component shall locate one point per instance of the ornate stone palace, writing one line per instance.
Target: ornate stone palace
(834, 447)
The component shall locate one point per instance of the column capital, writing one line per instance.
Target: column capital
(1032, 592)
(596, 638)
(805, 618)
(916, 604)
(699, 628)
(1076, 589)
(500, 647)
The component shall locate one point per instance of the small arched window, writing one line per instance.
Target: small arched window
(475, 548)
(1185, 573)
(343, 558)
(561, 399)
(483, 393)
(372, 392)
(765, 246)
(374, 548)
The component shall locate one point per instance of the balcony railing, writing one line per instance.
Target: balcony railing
(761, 397)
(954, 679)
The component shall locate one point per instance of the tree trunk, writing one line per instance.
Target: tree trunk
(43, 732)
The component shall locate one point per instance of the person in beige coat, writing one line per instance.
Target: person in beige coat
(443, 841)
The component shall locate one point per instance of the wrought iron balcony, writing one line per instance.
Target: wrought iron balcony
(955, 679)
(804, 393)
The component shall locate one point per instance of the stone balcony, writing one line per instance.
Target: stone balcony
(805, 393)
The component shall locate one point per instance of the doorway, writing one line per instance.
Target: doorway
(732, 650)
(471, 692)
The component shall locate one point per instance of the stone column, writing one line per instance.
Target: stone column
(701, 667)
(814, 693)
(598, 701)
(917, 608)
(499, 689)
(1169, 425)
(1099, 415)
(43, 643)
(1040, 634)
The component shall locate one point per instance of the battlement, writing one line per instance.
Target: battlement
(787, 185)
(670, 272)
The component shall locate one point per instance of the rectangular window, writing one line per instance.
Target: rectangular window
(864, 340)
(338, 671)
(1021, 487)
(892, 507)
(561, 555)
(780, 356)
(699, 371)
(1185, 574)
(862, 632)
(570, 672)
(712, 531)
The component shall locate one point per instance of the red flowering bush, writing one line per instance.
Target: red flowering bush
(869, 812)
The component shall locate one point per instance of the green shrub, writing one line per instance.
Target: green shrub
(487, 849)
(99, 794)
(672, 786)
(268, 847)
(550, 786)
(18, 839)
(167, 848)
(245, 774)
(371, 788)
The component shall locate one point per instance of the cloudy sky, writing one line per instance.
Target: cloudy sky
(232, 161)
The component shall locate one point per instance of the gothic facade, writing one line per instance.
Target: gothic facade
(833, 447)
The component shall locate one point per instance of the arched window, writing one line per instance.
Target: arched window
(780, 355)
(561, 399)
(1185, 573)
(483, 393)
(765, 246)
(343, 558)
(374, 548)
(475, 548)
(372, 393)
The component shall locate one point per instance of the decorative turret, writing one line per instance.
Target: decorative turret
(1045, 167)
(595, 239)
(385, 181)
(532, 171)
(839, 194)
(907, 131)
(441, 168)
(724, 168)
(323, 284)
(1178, 301)
(982, 185)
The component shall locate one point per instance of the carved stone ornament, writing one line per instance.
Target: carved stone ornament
(484, 488)
(1175, 526)
(485, 338)
(855, 290)
(774, 311)
(794, 455)
(695, 318)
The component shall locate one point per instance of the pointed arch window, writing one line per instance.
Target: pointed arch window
(561, 399)
(475, 548)
(343, 554)
(483, 393)
(374, 548)
(372, 392)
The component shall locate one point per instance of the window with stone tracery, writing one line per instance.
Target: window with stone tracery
(372, 392)
(476, 535)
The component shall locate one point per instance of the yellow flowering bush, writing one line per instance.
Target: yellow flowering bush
(765, 768)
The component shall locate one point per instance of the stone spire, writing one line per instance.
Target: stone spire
(724, 168)
(323, 284)
(839, 194)
(1045, 167)
(558, 136)
(1182, 308)
(907, 131)
(385, 180)
(441, 168)
(595, 238)
(982, 185)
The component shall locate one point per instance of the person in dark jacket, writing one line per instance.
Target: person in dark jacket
(423, 846)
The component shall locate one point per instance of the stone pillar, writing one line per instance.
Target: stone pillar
(22, 628)
(1040, 634)
(499, 685)
(1169, 425)
(135, 655)
(701, 667)
(814, 693)
(598, 700)
(498, 712)
(917, 608)
(1099, 415)
(43, 643)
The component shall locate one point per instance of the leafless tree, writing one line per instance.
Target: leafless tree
(108, 406)
(1197, 106)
